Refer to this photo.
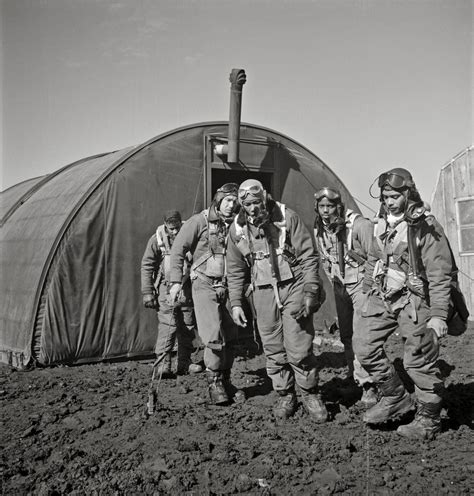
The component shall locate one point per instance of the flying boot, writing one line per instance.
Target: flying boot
(426, 424)
(369, 395)
(314, 406)
(195, 368)
(232, 390)
(185, 365)
(286, 405)
(395, 402)
(217, 391)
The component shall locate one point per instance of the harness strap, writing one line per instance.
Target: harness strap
(165, 248)
(345, 251)
(351, 216)
(244, 231)
(205, 257)
(202, 259)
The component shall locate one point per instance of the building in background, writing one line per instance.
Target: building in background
(453, 205)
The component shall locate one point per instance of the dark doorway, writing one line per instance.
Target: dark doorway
(221, 176)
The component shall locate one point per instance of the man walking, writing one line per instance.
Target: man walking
(270, 248)
(175, 322)
(204, 235)
(343, 238)
(408, 281)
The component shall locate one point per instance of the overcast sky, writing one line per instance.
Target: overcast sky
(366, 85)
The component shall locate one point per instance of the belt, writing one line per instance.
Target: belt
(210, 279)
(260, 255)
(278, 284)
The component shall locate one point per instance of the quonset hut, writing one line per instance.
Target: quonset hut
(72, 241)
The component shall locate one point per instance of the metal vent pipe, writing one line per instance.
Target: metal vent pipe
(237, 80)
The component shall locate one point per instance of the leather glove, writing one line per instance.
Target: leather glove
(150, 301)
(221, 294)
(238, 315)
(181, 300)
(311, 302)
(174, 293)
(428, 346)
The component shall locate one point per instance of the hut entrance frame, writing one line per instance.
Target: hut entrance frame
(258, 160)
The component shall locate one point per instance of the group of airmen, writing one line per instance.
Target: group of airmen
(393, 273)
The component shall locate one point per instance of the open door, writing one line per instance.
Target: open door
(258, 160)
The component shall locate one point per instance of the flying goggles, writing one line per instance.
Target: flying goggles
(394, 180)
(228, 188)
(329, 193)
(254, 190)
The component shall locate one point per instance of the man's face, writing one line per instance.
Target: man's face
(173, 228)
(327, 210)
(253, 207)
(394, 201)
(227, 206)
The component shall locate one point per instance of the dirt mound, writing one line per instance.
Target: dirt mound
(85, 430)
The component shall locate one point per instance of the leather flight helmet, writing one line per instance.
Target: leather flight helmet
(228, 189)
(252, 189)
(333, 195)
(396, 178)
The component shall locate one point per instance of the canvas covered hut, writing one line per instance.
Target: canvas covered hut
(72, 241)
(453, 205)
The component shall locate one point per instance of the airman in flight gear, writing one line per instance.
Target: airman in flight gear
(204, 235)
(175, 323)
(343, 238)
(407, 285)
(271, 253)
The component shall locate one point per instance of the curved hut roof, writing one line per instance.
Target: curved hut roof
(72, 241)
(16, 194)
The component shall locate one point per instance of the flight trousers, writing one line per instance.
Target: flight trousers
(287, 343)
(376, 323)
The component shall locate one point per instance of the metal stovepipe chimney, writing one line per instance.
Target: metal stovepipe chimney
(237, 80)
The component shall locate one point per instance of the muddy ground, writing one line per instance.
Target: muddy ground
(84, 430)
